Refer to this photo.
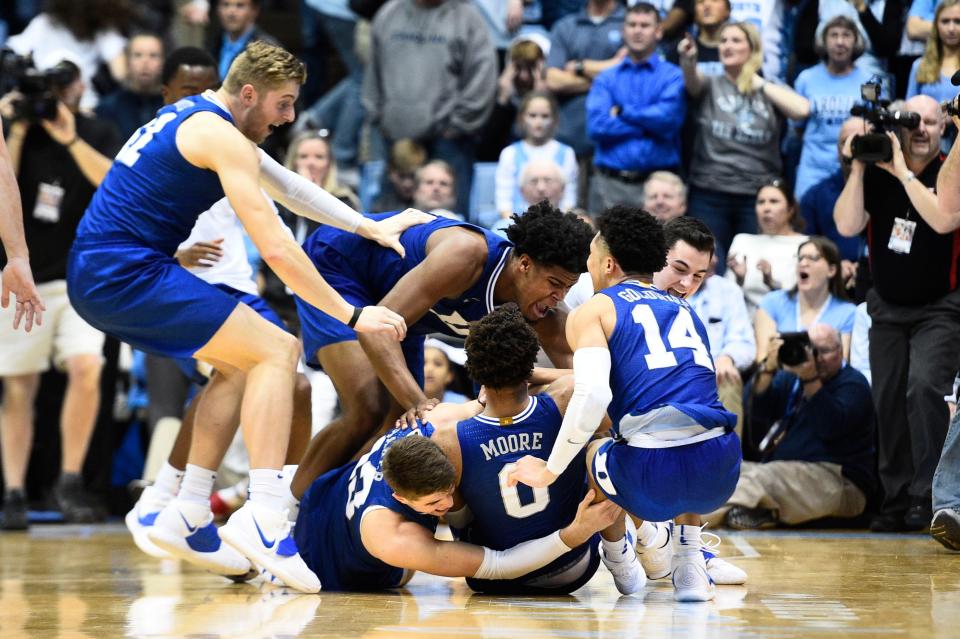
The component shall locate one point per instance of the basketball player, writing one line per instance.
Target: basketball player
(642, 352)
(123, 280)
(217, 255)
(370, 524)
(453, 273)
(483, 448)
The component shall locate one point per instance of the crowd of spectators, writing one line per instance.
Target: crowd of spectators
(737, 114)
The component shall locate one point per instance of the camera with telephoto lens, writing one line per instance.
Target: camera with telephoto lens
(39, 101)
(793, 351)
(876, 146)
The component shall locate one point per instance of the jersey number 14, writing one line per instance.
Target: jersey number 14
(682, 334)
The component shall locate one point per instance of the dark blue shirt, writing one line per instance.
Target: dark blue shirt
(816, 206)
(128, 110)
(836, 424)
(645, 134)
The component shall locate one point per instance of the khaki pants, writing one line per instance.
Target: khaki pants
(797, 491)
(731, 396)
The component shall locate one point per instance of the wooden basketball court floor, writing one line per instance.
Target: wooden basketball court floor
(90, 582)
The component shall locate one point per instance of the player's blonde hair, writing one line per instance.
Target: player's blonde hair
(265, 66)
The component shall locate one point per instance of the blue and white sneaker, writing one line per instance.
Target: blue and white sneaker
(186, 530)
(141, 518)
(691, 582)
(628, 575)
(265, 537)
(721, 571)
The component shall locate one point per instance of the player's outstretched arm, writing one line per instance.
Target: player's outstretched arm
(209, 142)
(588, 403)
(308, 200)
(404, 544)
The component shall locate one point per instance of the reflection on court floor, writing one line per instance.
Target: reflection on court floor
(91, 582)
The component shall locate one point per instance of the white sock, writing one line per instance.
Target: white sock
(168, 480)
(686, 539)
(292, 504)
(647, 533)
(616, 551)
(268, 488)
(197, 484)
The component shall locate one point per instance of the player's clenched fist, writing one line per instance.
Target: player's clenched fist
(531, 471)
(376, 319)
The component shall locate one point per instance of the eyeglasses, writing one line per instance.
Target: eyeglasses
(809, 258)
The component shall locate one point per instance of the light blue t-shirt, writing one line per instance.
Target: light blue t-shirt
(940, 90)
(831, 98)
(923, 9)
(783, 309)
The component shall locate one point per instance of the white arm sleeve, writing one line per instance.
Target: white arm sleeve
(591, 396)
(521, 559)
(305, 198)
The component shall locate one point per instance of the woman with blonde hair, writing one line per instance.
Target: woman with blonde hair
(311, 155)
(737, 118)
(931, 73)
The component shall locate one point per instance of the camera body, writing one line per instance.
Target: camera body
(39, 100)
(793, 351)
(876, 146)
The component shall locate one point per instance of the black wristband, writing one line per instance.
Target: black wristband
(76, 138)
(356, 315)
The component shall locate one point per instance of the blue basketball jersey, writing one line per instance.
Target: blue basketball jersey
(377, 270)
(505, 516)
(151, 193)
(328, 527)
(660, 357)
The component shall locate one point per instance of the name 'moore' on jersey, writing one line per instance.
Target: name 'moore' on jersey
(503, 515)
(662, 375)
(329, 538)
(152, 194)
(377, 269)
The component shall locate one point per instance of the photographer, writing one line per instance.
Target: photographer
(819, 418)
(59, 163)
(914, 306)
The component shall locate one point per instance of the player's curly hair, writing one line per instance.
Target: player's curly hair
(635, 239)
(501, 349)
(550, 236)
(415, 467)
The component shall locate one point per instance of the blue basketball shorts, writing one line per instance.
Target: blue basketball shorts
(143, 297)
(657, 484)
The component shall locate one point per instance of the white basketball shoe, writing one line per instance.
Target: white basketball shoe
(628, 575)
(656, 557)
(141, 518)
(721, 571)
(265, 537)
(691, 582)
(186, 530)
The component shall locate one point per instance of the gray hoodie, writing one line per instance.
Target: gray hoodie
(431, 70)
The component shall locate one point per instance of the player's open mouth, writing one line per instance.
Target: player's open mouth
(540, 310)
(676, 292)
